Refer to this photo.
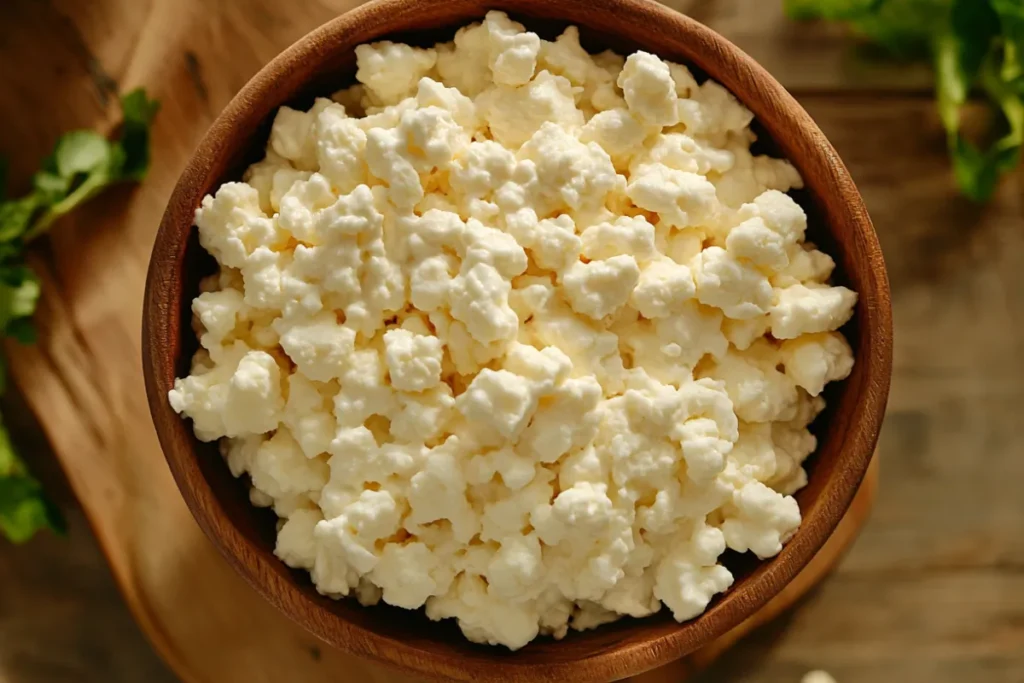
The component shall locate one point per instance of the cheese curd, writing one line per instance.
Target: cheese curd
(520, 335)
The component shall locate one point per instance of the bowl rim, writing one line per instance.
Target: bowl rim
(161, 325)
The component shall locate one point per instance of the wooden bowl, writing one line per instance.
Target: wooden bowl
(324, 61)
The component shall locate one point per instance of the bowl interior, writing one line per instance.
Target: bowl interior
(324, 62)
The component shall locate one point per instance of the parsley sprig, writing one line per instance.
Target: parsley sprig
(82, 164)
(975, 46)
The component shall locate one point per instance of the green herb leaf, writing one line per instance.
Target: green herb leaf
(19, 293)
(50, 186)
(139, 111)
(81, 151)
(1011, 16)
(22, 330)
(24, 508)
(16, 217)
(81, 165)
(974, 45)
(959, 53)
(904, 28)
(833, 10)
(967, 55)
(978, 172)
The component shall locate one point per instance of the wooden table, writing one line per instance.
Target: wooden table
(934, 590)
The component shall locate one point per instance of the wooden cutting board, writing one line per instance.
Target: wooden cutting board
(84, 379)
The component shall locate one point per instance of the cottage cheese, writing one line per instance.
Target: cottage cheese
(518, 334)
(818, 677)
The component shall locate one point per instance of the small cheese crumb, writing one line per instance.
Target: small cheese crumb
(818, 677)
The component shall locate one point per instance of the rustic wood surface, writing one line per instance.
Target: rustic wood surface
(933, 590)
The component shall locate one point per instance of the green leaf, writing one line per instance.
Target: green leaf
(905, 27)
(24, 508)
(81, 151)
(22, 330)
(84, 163)
(968, 54)
(50, 186)
(92, 185)
(10, 464)
(16, 216)
(974, 45)
(138, 108)
(978, 172)
(974, 25)
(81, 165)
(1011, 16)
(139, 111)
(833, 10)
(975, 172)
(19, 293)
(951, 86)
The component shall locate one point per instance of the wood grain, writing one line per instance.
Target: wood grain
(194, 60)
(324, 60)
